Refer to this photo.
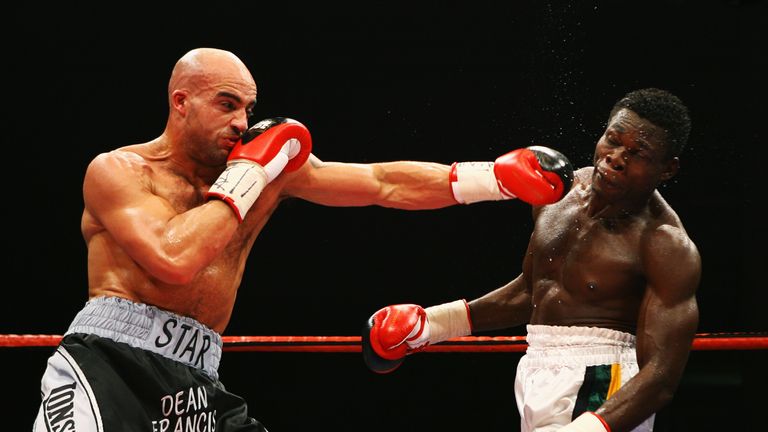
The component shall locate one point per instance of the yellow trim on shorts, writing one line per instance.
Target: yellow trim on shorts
(613, 387)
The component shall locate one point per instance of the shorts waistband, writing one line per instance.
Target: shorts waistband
(562, 336)
(549, 345)
(149, 328)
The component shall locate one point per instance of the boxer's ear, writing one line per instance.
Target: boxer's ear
(673, 165)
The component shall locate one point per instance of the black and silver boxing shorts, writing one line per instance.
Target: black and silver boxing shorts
(125, 366)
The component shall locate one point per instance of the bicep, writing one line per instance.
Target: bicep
(669, 311)
(117, 196)
(334, 183)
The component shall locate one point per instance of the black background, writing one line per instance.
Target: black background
(380, 81)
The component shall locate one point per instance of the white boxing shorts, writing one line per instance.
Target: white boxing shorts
(569, 370)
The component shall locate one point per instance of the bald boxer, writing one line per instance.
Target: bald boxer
(607, 288)
(169, 224)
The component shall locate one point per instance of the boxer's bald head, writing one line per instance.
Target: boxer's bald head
(201, 67)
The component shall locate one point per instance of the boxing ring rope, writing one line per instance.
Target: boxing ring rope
(702, 342)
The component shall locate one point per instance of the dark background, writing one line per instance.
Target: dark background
(378, 81)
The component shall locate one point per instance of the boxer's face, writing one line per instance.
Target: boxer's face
(218, 114)
(631, 157)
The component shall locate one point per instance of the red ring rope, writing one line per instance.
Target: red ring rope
(702, 342)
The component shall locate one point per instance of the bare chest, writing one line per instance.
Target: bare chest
(586, 257)
(177, 191)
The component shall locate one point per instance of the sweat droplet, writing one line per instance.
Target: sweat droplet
(592, 285)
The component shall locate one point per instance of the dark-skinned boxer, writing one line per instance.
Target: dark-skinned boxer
(607, 288)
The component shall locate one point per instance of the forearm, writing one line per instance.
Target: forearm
(413, 185)
(506, 307)
(664, 337)
(191, 240)
(642, 396)
(402, 185)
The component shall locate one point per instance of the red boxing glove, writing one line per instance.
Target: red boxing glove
(386, 335)
(265, 150)
(399, 330)
(537, 175)
(276, 144)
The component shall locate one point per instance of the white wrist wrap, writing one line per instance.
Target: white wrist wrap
(239, 185)
(587, 422)
(475, 181)
(448, 320)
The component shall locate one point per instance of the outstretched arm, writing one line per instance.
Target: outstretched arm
(536, 175)
(398, 330)
(666, 328)
(404, 185)
(170, 245)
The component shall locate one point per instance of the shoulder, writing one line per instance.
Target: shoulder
(664, 230)
(584, 173)
(582, 177)
(668, 254)
(115, 162)
(118, 170)
(670, 238)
